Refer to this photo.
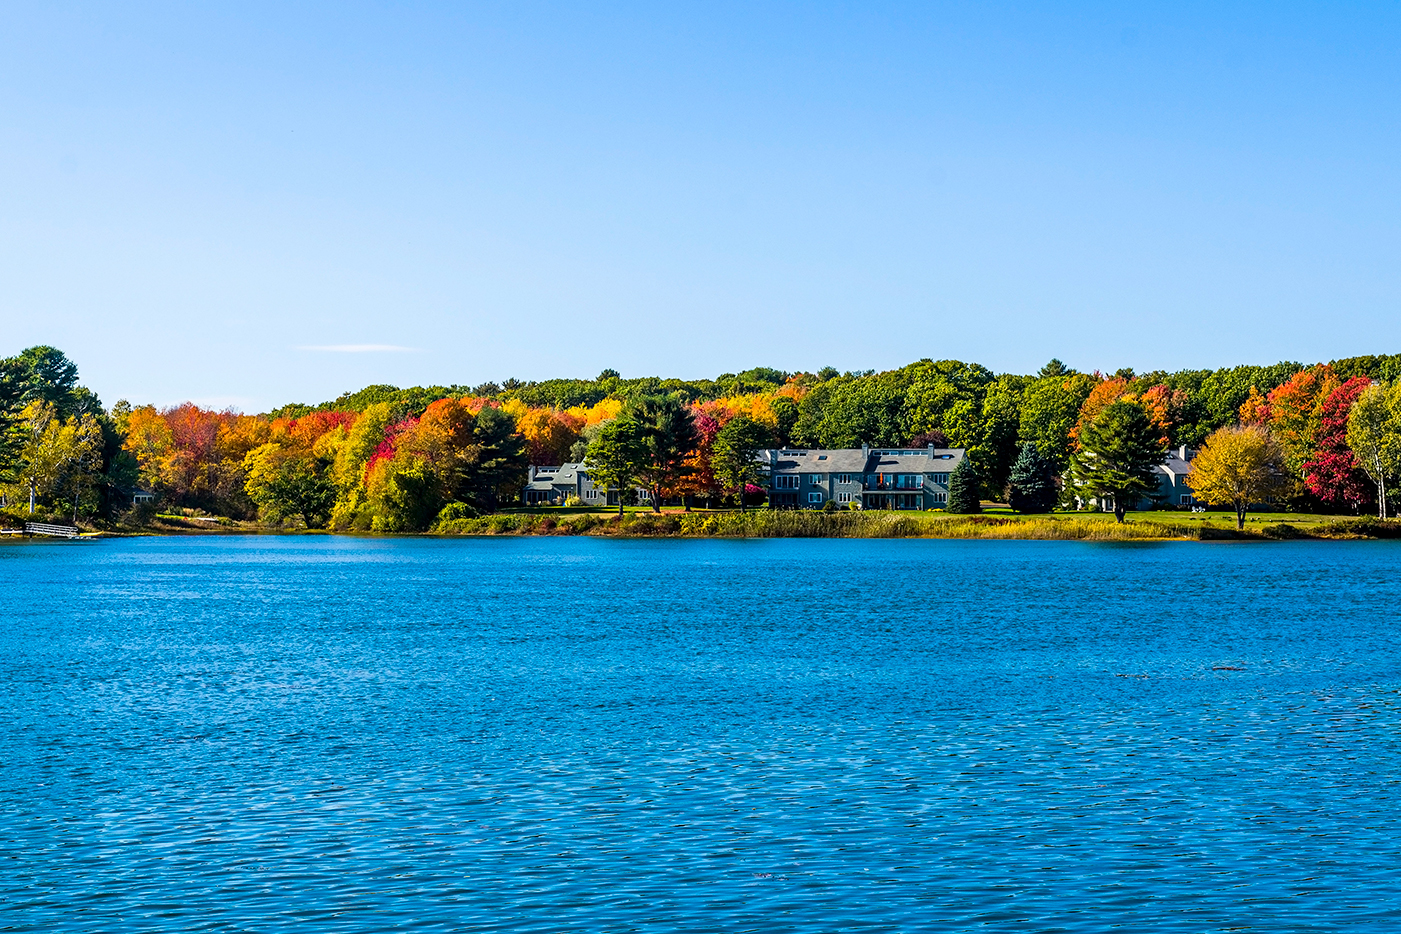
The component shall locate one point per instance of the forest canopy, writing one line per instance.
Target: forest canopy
(390, 458)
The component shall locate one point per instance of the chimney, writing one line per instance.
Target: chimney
(931, 450)
(1182, 452)
(865, 449)
(531, 475)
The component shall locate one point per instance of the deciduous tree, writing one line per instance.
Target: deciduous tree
(1238, 466)
(1332, 472)
(735, 456)
(617, 456)
(1374, 435)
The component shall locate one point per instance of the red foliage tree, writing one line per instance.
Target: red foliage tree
(1333, 473)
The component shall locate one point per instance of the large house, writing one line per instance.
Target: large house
(552, 486)
(1172, 476)
(874, 478)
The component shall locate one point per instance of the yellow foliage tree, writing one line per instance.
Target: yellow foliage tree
(1238, 466)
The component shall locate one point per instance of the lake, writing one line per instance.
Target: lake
(588, 735)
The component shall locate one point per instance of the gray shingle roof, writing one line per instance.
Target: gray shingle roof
(854, 460)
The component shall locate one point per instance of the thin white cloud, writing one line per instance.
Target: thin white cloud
(361, 348)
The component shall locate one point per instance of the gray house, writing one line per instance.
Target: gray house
(1172, 476)
(874, 478)
(551, 486)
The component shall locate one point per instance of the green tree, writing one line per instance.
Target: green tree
(49, 376)
(735, 455)
(965, 489)
(1050, 407)
(1374, 434)
(287, 485)
(500, 461)
(669, 438)
(12, 433)
(617, 456)
(1031, 486)
(1118, 450)
(404, 495)
(786, 413)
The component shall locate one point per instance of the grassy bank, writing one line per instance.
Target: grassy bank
(805, 524)
(764, 523)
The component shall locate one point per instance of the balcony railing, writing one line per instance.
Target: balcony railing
(892, 486)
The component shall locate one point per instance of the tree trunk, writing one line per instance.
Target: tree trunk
(1118, 510)
(1240, 516)
(686, 502)
(620, 502)
(656, 499)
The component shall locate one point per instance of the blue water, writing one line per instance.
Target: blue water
(338, 734)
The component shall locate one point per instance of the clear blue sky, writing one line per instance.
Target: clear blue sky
(195, 194)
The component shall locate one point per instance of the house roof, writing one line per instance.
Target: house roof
(855, 460)
(555, 478)
(1175, 465)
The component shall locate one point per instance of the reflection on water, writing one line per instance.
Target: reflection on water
(575, 735)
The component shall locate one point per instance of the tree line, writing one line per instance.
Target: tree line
(392, 459)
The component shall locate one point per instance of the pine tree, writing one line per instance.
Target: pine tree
(964, 488)
(1118, 451)
(1032, 484)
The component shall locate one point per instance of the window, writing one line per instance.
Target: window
(785, 482)
(941, 478)
(941, 497)
(814, 497)
(815, 479)
(845, 478)
(1185, 499)
(843, 497)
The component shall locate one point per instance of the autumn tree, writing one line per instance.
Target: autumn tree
(1117, 452)
(1332, 472)
(1238, 466)
(1374, 435)
(58, 459)
(699, 478)
(1296, 414)
(617, 456)
(548, 434)
(735, 457)
(1032, 484)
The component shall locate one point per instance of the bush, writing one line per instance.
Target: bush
(458, 511)
(573, 501)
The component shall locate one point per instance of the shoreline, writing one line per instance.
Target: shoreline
(802, 524)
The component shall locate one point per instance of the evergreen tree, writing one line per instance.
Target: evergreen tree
(670, 438)
(1032, 484)
(1118, 451)
(964, 488)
